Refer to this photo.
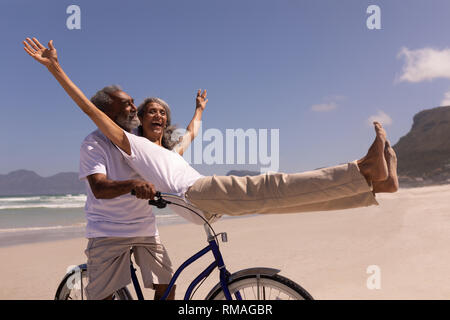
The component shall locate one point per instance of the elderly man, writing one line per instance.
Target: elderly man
(116, 220)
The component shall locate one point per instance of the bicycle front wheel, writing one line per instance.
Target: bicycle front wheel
(263, 287)
(73, 287)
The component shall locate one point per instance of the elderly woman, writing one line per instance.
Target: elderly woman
(345, 186)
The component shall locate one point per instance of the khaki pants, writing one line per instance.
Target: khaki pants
(108, 264)
(339, 187)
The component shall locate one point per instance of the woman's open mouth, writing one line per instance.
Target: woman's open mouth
(156, 125)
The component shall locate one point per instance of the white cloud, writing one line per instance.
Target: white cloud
(446, 100)
(324, 107)
(381, 117)
(330, 103)
(424, 64)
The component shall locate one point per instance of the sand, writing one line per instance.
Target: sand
(406, 238)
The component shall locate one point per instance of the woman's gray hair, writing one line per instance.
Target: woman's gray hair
(168, 132)
(102, 99)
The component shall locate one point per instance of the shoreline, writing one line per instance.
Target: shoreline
(22, 236)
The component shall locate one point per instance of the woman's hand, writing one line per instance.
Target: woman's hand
(47, 57)
(201, 101)
(193, 127)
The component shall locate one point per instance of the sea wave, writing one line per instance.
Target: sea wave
(45, 201)
(42, 228)
(52, 206)
(162, 219)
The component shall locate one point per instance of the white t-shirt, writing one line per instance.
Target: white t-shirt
(123, 216)
(166, 169)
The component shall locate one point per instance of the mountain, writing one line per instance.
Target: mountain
(424, 153)
(25, 182)
(242, 173)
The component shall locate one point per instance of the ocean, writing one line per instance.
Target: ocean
(25, 219)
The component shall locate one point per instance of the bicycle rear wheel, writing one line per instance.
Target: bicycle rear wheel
(262, 287)
(73, 287)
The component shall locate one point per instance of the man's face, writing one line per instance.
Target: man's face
(123, 111)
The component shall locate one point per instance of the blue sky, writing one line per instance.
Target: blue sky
(265, 64)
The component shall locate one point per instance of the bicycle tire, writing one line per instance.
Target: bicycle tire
(285, 286)
(72, 289)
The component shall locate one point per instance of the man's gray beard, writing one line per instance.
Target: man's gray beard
(128, 123)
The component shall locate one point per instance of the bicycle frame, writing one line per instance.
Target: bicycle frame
(159, 202)
(218, 263)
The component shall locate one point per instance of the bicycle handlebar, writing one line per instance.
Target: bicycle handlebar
(157, 201)
(160, 203)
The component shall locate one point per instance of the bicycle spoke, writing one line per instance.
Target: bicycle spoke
(256, 288)
(253, 291)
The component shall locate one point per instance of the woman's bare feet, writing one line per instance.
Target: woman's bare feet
(374, 166)
(391, 183)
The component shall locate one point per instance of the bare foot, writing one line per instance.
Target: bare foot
(391, 183)
(374, 166)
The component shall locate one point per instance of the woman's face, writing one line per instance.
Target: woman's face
(154, 121)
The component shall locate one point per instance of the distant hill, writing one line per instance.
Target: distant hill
(242, 173)
(424, 153)
(25, 182)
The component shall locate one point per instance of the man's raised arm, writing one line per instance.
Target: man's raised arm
(49, 58)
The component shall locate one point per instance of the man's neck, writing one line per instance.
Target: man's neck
(126, 129)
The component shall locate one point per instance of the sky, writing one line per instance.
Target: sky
(312, 71)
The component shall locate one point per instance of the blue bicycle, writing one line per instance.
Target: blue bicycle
(248, 284)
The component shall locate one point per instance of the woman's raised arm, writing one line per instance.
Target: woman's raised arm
(49, 58)
(193, 127)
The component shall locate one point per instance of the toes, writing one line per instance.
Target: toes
(378, 126)
(380, 130)
(392, 154)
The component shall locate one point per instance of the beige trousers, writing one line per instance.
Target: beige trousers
(108, 264)
(334, 188)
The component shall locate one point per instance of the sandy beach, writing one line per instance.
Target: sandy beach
(407, 237)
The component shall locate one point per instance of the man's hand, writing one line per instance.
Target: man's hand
(104, 188)
(201, 100)
(40, 53)
(144, 189)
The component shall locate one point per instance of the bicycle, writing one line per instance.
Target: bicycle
(248, 284)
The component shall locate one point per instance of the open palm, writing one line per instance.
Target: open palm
(45, 56)
(201, 99)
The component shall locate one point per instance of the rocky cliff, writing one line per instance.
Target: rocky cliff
(424, 153)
